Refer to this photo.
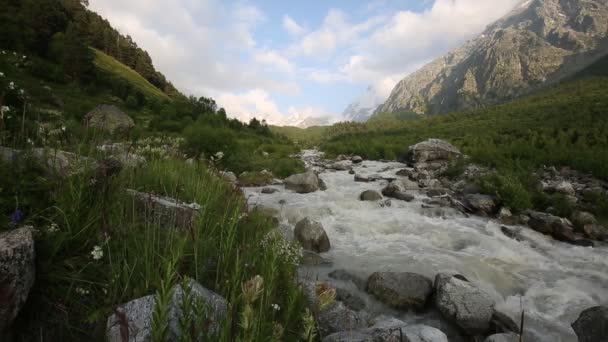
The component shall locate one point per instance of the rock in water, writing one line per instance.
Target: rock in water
(370, 195)
(349, 336)
(502, 338)
(269, 190)
(356, 159)
(432, 150)
(481, 203)
(394, 330)
(397, 189)
(17, 272)
(592, 325)
(302, 183)
(134, 319)
(109, 118)
(312, 236)
(463, 303)
(401, 290)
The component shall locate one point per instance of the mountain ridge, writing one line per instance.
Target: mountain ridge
(538, 43)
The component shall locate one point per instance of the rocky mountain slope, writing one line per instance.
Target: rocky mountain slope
(536, 44)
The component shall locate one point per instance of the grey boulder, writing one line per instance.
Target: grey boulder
(592, 324)
(502, 338)
(312, 236)
(481, 203)
(432, 150)
(370, 195)
(302, 183)
(401, 290)
(463, 303)
(17, 272)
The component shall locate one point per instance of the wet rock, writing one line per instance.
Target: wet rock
(510, 233)
(595, 231)
(503, 322)
(352, 172)
(405, 173)
(109, 118)
(561, 229)
(17, 272)
(394, 330)
(401, 290)
(370, 195)
(350, 299)
(134, 319)
(362, 179)
(430, 183)
(302, 183)
(562, 187)
(165, 211)
(322, 185)
(310, 258)
(356, 159)
(435, 192)
(432, 150)
(344, 165)
(481, 203)
(583, 243)
(269, 190)
(592, 324)
(349, 336)
(502, 338)
(312, 236)
(463, 303)
(344, 275)
(505, 215)
(397, 189)
(341, 157)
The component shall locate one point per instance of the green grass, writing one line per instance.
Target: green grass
(74, 294)
(114, 67)
(308, 137)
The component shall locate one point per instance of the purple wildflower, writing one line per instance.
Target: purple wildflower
(16, 217)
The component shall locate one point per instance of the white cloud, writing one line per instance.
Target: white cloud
(253, 103)
(292, 27)
(274, 60)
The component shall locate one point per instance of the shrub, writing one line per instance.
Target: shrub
(509, 189)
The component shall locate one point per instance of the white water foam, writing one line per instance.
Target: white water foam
(555, 280)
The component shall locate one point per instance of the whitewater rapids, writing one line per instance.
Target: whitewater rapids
(555, 281)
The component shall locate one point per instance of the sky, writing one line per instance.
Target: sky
(276, 59)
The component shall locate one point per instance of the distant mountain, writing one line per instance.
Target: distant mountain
(304, 121)
(536, 44)
(363, 107)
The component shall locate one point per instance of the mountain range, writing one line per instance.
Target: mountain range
(538, 43)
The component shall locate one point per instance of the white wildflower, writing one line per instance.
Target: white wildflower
(11, 85)
(29, 141)
(24, 56)
(219, 155)
(6, 109)
(22, 91)
(276, 307)
(1, 74)
(54, 228)
(63, 128)
(82, 291)
(97, 253)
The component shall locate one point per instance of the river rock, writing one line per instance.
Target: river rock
(356, 159)
(401, 290)
(362, 179)
(350, 299)
(134, 319)
(302, 183)
(562, 187)
(310, 258)
(349, 336)
(269, 190)
(397, 189)
(229, 176)
(344, 165)
(165, 211)
(508, 337)
(345, 275)
(592, 324)
(109, 118)
(312, 236)
(561, 229)
(582, 218)
(394, 330)
(17, 272)
(370, 195)
(463, 303)
(432, 150)
(596, 231)
(481, 203)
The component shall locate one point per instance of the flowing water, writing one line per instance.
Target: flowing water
(554, 281)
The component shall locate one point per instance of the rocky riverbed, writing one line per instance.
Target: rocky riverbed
(552, 281)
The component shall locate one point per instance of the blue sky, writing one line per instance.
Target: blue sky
(280, 60)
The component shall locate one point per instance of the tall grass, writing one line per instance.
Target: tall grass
(77, 290)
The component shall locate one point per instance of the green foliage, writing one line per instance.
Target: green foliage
(509, 189)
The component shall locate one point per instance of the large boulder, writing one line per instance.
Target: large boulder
(595, 231)
(349, 336)
(480, 203)
(432, 150)
(394, 330)
(311, 235)
(592, 325)
(165, 211)
(582, 218)
(347, 276)
(401, 290)
(17, 272)
(302, 183)
(463, 303)
(109, 118)
(132, 321)
(344, 165)
(560, 228)
(370, 195)
(124, 154)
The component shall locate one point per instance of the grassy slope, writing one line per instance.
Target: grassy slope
(310, 136)
(114, 67)
(564, 125)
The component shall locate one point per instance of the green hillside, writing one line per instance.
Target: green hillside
(117, 69)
